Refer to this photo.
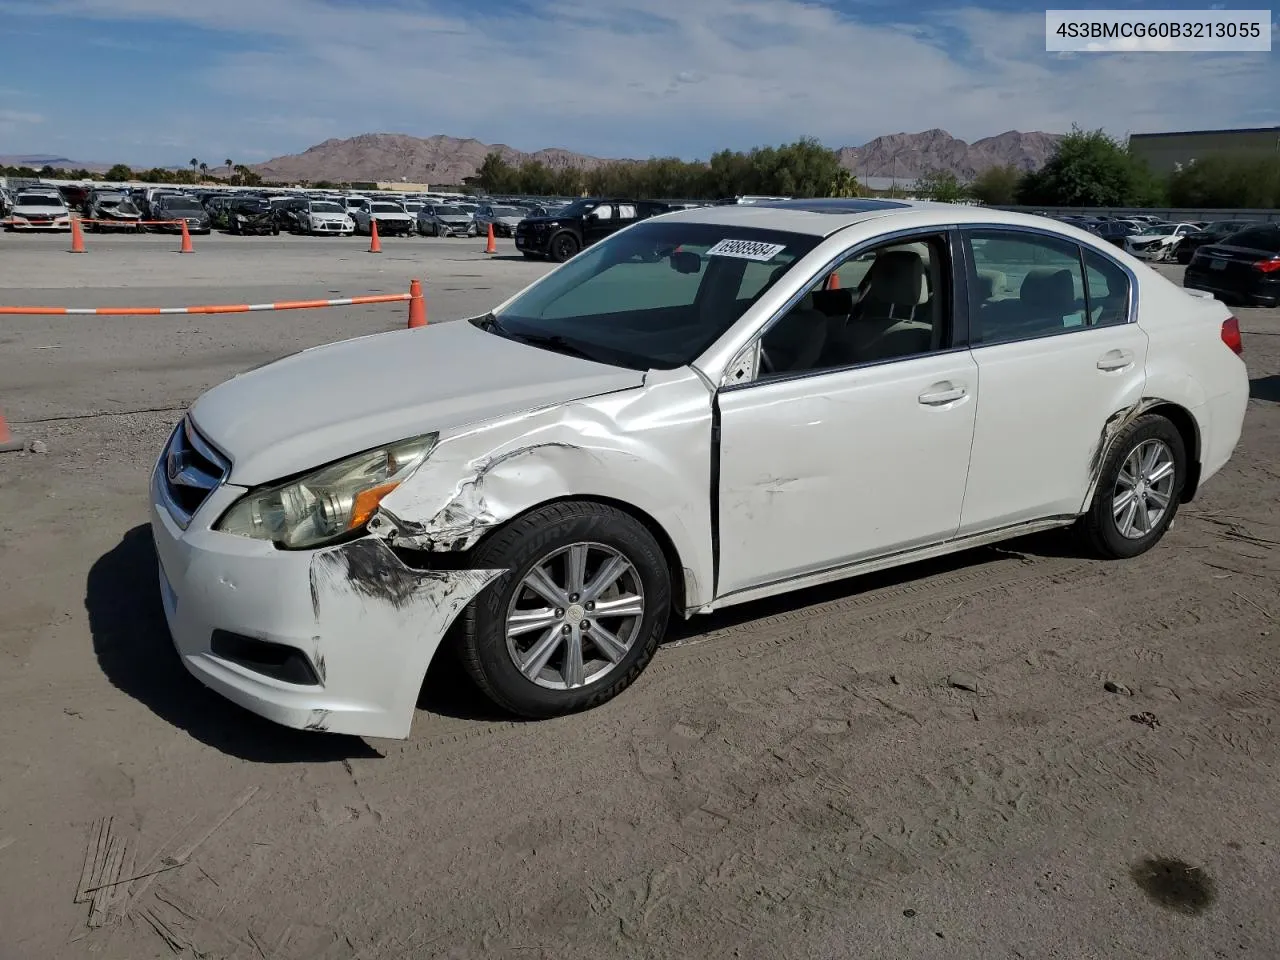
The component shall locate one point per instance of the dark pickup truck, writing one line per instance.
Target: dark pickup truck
(579, 225)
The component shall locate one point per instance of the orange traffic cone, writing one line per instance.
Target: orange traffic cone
(186, 240)
(833, 282)
(77, 238)
(375, 245)
(8, 442)
(491, 246)
(417, 305)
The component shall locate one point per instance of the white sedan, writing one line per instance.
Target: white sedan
(39, 211)
(391, 218)
(1159, 241)
(327, 217)
(688, 415)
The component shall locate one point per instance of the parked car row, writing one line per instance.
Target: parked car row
(1150, 238)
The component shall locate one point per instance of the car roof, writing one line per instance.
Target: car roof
(826, 216)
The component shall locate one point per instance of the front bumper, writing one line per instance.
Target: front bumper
(1153, 251)
(41, 224)
(396, 228)
(332, 226)
(366, 624)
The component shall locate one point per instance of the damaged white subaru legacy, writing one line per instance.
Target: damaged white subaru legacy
(708, 407)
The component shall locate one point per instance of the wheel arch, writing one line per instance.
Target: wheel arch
(1183, 421)
(679, 571)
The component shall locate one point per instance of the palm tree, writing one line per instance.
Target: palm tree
(204, 169)
(194, 163)
(230, 165)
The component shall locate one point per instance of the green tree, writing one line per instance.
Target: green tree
(997, 186)
(120, 172)
(495, 174)
(1228, 179)
(942, 186)
(1090, 169)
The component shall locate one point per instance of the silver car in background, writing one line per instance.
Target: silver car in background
(445, 220)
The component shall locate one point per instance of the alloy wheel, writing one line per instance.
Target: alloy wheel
(574, 616)
(1144, 489)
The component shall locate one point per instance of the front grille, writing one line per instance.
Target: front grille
(190, 470)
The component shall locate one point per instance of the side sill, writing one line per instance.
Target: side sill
(885, 562)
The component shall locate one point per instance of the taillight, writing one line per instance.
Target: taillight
(1268, 266)
(1231, 335)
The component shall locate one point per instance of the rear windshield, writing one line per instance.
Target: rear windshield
(1259, 238)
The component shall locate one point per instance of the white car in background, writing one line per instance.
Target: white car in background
(391, 218)
(33, 210)
(328, 217)
(686, 416)
(1158, 241)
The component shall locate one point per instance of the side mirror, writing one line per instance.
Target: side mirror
(684, 261)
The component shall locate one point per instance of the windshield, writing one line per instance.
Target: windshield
(181, 203)
(1156, 229)
(387, 208)
(253, 206)
(509, 212)
(324, 206)
(633, 301)
(450, 212)
(37, 200)
(1226, 226)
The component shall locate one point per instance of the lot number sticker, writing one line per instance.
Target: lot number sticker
(746, 250)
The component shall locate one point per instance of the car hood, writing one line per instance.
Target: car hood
(392, 216)
(453, 218)
(328, 402)
(327, 215)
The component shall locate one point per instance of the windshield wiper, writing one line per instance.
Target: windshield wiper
(552, 341)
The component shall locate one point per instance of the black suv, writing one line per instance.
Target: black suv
(579, 225)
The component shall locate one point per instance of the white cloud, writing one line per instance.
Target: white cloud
(633, 77)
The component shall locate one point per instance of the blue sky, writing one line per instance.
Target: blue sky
(160, 81)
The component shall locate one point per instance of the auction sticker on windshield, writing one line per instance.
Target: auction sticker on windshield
(746, 250)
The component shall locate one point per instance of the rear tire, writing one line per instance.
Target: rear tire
(507, 625)
(1139, 489)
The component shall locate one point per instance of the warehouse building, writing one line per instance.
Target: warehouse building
(1167, 152)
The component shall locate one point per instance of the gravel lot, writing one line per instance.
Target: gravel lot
(796, 778)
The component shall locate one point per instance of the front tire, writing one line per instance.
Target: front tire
(576, 617)
(1139, 489)
(563, 246)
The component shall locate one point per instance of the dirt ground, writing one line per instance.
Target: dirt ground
(798, 778)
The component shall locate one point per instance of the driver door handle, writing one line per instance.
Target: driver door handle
(943, 393)
(1115, 360)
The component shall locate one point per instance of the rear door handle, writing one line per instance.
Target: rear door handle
(1115, 360)
(942, 393)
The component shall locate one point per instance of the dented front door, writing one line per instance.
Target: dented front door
(840, 466)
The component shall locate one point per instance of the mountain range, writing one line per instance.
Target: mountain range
(448, 160)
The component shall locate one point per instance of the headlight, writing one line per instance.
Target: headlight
(327, 503)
